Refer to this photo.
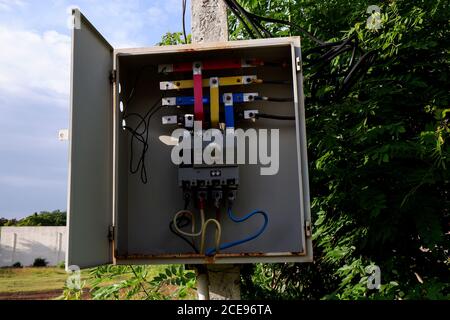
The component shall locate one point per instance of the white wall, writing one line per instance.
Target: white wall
(24, 244)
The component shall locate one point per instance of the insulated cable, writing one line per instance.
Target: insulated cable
(193, 233)
(203, 226)
(184, 21)
(272, 99)
(182, 225)
(218, 235)
(356, 67)
(141, 136)
(228, 245)
(253, 19)
(273, 116)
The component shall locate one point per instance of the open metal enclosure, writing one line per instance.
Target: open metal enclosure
(114, 217)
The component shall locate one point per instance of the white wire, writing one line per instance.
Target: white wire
(203, 226)
(193, 234)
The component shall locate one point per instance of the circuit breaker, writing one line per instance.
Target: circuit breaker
(187, 154)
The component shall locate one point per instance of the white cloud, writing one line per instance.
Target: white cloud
(8, 5)
(34, 65)
(35, 83)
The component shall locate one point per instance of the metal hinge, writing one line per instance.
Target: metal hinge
(111, 233)
(298, 64)
(113, 76)
(308, 230)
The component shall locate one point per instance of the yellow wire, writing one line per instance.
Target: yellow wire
(218, 235)
(203, 226)
(193, 234)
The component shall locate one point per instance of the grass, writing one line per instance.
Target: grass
(23, 280)
(48, 282)
(16, 280)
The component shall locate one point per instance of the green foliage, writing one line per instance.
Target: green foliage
(17, 265)
(379, 162)
(44, 218)
(173, 39)
(40, 262)
(136, 282)
(8, 223)
(379, 158)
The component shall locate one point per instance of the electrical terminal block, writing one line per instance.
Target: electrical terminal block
(170, 120)
(250, 114)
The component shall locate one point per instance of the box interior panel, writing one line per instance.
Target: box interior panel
(144, 211)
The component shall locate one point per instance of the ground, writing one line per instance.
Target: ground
(32, 283)
(37, 283)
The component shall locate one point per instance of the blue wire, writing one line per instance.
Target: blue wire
(239, 220)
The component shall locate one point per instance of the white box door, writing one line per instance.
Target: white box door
(91, 147)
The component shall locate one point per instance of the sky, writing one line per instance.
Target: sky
(35, 85)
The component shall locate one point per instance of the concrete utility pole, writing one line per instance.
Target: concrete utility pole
(210, 24)
(209, 21)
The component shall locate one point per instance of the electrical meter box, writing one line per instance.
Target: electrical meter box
(130, 202)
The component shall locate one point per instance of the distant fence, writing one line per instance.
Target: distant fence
(25, 244)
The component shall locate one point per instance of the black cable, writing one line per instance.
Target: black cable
(252, 17)
(184, 21)
(238, 16)
(272, 99)
(245, 15)
(275, 82)
(141, 137)
(187, 200)
(273, 116)
(263, 29)
(328, 52)
(133, 89)
(182, 225)
(355, 73)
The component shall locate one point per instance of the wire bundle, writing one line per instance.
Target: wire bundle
(254, 22)
(203, 227)
(178, 223)
(228, 245)
(318, 58)
(140, 135)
